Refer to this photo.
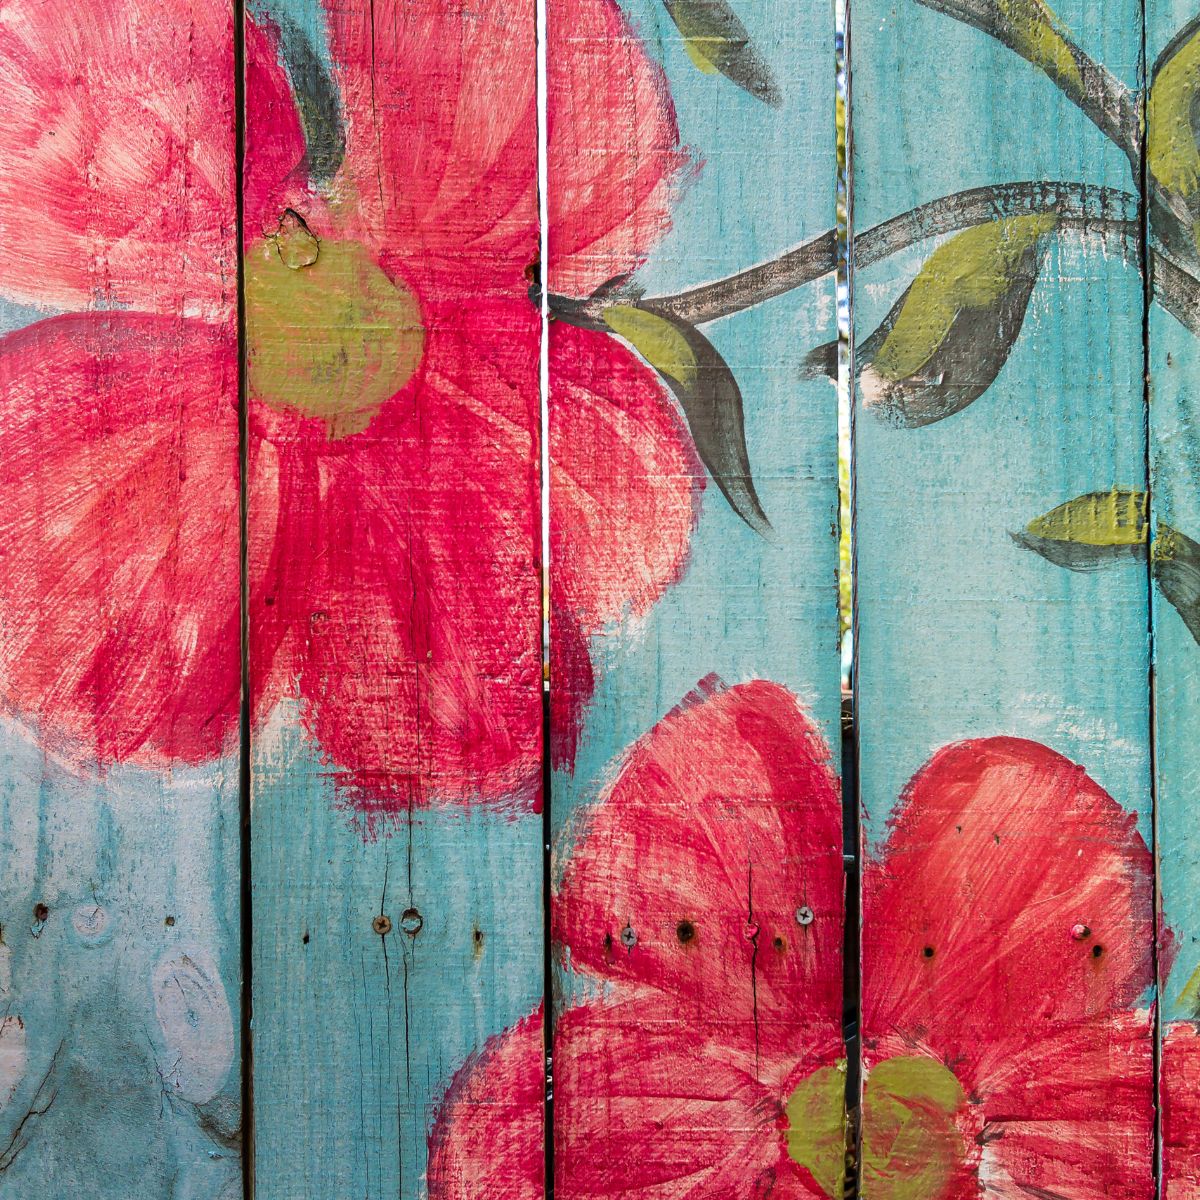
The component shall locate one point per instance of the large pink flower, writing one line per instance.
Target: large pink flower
(392, 458)
(1007, 927)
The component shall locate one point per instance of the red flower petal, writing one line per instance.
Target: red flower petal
(1180, 1080)
(276, 170)
(119, 536)
(1000, 849)
(406, 569)
(488, 1135)
(441, 117)
(1073, 1114)
(648, 1104)
(624, 489)
(614, 153)
(118, 149)
(724, 821)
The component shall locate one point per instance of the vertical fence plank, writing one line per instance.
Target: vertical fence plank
(394, 616)
(1003, 606)
(1173, 368)
(697, 912)
(119, 659)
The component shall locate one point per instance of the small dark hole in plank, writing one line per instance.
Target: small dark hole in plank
(928, 952)
(779, 943)
(1097, 951)
(685, 931)
(40, 911)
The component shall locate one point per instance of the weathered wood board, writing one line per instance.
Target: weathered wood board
(1172, 370)
(697, 910)
(119, 648)
(393, 573)
(1003, 653)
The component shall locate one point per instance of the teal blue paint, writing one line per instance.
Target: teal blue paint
(961, 633)
(112, 859)
(1175, 468)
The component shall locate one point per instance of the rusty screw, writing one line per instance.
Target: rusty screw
(382, 925)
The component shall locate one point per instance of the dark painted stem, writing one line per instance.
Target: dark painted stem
(1080, 206)
(1103, 98)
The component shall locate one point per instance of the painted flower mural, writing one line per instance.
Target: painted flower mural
(706, 1059)
(390, 224)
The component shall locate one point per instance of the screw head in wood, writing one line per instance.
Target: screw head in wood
(628, 937)
(411, 921)
(1080, 932)
(804, 915)
(382, 925)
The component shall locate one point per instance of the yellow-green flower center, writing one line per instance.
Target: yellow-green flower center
(910, 1143)
(329, 334)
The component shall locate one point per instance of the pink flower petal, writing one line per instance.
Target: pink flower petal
(1013, 895)
(624, 493)
(441, 113)
(723, 823)
(118, 151)
(614, 154)
(119, 536)
(653, 1106)
(404, 573)
(488, 1134)
(1180, 1084)
(275, 175)
(1073, 1114)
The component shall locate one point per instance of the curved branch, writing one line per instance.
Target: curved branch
(1082, 206)
(1099, 95)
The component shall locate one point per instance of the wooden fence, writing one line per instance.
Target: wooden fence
(428, 766)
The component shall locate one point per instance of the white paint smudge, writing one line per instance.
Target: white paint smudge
(14, 1057)
(196, 1023)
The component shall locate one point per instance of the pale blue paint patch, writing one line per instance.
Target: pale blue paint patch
(357, 1034)
(126, 991)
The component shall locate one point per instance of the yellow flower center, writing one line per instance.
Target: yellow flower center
(329, 334)
(910, 1145)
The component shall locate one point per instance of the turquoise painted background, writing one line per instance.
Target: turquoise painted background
(961, 632)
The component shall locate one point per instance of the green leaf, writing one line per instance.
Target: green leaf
(946, 338)
(708, 394)
(1173, 138)
(816, 1133)
(1100, 528)
(1176, 560)
(1090, 531)
(716, 41)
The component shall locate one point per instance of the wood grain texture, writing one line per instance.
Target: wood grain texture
(394, 609)
(1175, 477)
(695, 804)
(119, 649)
(1007, 907)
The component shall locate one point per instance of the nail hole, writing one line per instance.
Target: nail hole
(479, 937)
(169, 922)
(928, 952)
(305, 939)
(685, 931)
(779, 943)
(411, 921)
(608, 941)
(40, 911)
(382, 925)
(1097, 951)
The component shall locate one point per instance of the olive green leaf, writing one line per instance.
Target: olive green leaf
(1099, 528)
(947, 337)
(716, 41)
(1091, 530)
(1173, 141)
(694, 370)
(817, 1128)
